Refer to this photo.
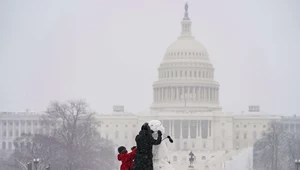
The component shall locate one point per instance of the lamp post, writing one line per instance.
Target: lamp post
(36, 162)
(297, 163)
(29, 166)
(48, 167)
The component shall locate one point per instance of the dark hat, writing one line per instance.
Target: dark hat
(145, 127)
(121, 149)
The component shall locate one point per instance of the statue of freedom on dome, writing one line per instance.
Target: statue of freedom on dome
(186, 7)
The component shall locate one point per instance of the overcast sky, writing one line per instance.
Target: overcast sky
(108, 52)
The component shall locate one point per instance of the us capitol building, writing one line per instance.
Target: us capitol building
(186, 100)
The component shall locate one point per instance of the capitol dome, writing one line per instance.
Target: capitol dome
(186, 48)
(186, 76)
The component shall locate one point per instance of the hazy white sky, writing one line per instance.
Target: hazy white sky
(108, 52)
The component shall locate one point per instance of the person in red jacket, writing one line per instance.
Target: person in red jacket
(126, 158)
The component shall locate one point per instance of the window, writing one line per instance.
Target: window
(133, 125)
(245, 126)
(264, 126)
(193, 145)
(117, 134)
(116, 125)
(203, 158)
(254, 126)
(245, 135)
(126, 135)
(106, 125)
(254, 135)
(3, 145)
(174, 158)
(126, 125)
(237, 126)
(223, 145)
(9, 145)
(237, 136)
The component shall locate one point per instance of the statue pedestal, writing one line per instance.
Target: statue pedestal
(191, 168)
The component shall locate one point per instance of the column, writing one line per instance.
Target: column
(189, 129)
(170, 127)
(180, 129)
(171, 93)
(204, 93)
(177, 94)
(209, 92)
(182, 94)
(157, 94)
(213, 94)
(162, 94)
(32, 127)
(25, 131)
(194, 94)
(215, 98)
(197, 126)
(198, 91)
(166, 93)
(7, 132)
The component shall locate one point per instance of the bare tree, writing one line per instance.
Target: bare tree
(71, 141)
(274, 150)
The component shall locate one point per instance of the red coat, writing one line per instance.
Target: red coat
(127, 160)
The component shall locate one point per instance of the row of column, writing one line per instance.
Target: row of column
(186, 74)
(15, 130)
(188, 129)
(191, 93)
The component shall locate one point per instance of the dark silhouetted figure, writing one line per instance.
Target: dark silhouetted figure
(144, 143)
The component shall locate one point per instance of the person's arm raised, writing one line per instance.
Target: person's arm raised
(158, 140)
